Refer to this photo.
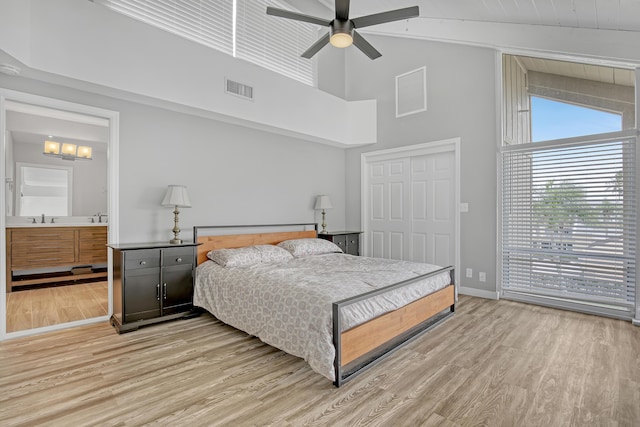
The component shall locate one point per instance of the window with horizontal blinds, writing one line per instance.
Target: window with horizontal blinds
(209, 22)
(569, 220)
(273, 42)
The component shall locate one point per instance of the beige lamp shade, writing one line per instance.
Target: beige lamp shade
(51, 147)
(323, 202)
(176, 196)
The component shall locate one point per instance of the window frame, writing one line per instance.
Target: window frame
(503, 145)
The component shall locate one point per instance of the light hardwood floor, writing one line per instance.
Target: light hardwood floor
(35, 308)
(493, 363)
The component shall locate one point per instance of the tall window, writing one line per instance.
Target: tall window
(236, 27)
(568, 186)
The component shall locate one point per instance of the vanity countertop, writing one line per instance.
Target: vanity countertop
(62, 224)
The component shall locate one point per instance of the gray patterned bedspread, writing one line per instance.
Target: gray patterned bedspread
(288, 304)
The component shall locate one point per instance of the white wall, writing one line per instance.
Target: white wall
(80, 40)
(89, 177)
(460, 103)
(234, 174)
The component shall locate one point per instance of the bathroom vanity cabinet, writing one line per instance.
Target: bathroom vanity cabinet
(42, 247)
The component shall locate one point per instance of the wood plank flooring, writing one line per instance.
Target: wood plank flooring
(35, 308)
(495, 363)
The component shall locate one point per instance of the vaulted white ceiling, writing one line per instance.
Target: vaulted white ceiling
(622, 15)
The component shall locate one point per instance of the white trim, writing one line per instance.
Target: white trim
(57, 327)
(480, 293)
(113, 187)
(635, 322)
(452, 144)
(499, 140)
(637, 107)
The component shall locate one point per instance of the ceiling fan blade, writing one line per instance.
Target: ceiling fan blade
(315, 48)
(381, 18)
(364, 46)
(297, 16)
(342, 9)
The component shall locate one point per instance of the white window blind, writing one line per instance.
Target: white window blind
(568, 221)
(273, 42)
(209, 22)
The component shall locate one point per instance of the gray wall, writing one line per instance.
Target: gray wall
(234, 175)
(460, 103)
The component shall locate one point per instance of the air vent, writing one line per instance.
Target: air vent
(238, 89)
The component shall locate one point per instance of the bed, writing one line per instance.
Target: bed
(340, 313)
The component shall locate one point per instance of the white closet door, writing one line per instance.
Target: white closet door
(390, 210)
(411, 215)
(433, 208)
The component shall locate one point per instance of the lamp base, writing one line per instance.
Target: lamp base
(175, 241)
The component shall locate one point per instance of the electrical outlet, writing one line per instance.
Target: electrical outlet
(469, 273)
(482, 276)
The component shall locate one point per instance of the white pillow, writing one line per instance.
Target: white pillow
(248, 256)
(311, 246)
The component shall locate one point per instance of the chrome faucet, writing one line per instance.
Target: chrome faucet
(42, 219)
(99, 217)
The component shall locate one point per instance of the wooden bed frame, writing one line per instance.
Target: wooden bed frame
(364, 345)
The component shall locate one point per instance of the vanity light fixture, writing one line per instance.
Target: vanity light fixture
(177, 197)
(67, 151)
(323, 202)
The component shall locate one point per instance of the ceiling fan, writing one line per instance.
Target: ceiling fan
(342, 30)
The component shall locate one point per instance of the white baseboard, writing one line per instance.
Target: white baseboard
(635, 322)
(480, 293)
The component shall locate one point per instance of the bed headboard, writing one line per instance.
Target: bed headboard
(250, 238)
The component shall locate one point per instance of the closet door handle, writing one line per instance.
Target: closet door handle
(164, 291)
(158, 291)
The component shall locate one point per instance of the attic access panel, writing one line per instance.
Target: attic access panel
(411, 92)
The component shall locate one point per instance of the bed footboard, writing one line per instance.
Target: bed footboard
(364, 345)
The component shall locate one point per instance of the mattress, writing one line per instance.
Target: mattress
(288, 304)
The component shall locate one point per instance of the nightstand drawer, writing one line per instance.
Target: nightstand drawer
(177, 256)
(141, 259)
(341, 241)
(348, 241)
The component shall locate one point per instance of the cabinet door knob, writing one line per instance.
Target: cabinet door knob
(143, 262)
(178, 259)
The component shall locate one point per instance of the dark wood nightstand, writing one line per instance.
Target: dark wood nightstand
(348, 241)
(152, 282)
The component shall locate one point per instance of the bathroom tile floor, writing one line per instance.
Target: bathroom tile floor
(35, 308)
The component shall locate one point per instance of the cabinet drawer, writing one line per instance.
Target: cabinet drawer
(92, 243)
(42, 248)
(353, 244)
(341, 241)
(148, 258)
(177, 256)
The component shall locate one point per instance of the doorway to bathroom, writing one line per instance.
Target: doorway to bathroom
(59, 213)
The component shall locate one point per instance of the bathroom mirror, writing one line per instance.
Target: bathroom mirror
(43, 188)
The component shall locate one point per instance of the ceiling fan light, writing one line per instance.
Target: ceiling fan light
(341, 40)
